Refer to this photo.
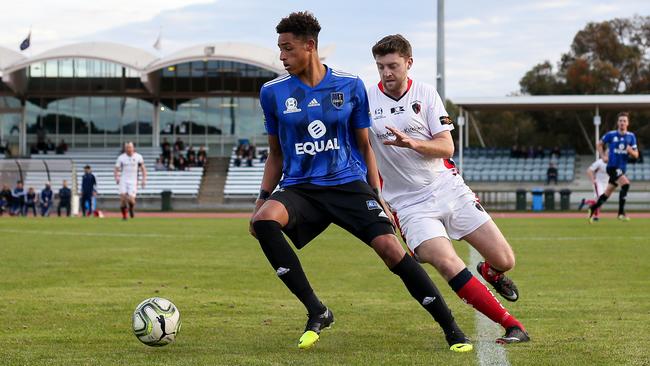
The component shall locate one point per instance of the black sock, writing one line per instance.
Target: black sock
(622, 197)
(286, 264)
(423, 290)
(599, 203)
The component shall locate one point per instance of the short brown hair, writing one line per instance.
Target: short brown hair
(394, 43)
(301, 24)
(623, 114)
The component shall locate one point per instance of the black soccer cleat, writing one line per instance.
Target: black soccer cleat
(514, 335)
(131, 213)
(315, 324)
(501, 283)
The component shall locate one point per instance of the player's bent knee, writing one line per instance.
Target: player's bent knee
(388, 248)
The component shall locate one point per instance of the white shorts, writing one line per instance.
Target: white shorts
(452, 211)
(129, 187)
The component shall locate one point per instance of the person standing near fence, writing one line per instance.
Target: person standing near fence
(88, 187)
(18, 199)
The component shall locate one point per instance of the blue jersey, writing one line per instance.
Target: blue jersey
(316, 127)
(617, 144)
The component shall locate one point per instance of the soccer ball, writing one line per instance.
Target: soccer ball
(156, 322)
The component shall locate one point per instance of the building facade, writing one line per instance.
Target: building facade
(98, 95)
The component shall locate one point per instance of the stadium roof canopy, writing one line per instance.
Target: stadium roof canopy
(555, 102)
(8, 57)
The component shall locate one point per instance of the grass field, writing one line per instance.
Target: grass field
(68, 288)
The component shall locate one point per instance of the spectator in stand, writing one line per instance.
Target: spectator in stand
(179, 145)
(191, 161)
(202, 157)
(30, 202)
(5, 199)
(245, 151)
(182, 164)
(165, 147)
(50, 145)
(530, 153)
(62, 148)
(17, 199)
(540, 152)
(46, 200)
(555, 153)
(264, 154)
(514, 152)
(190, 153)
(551, 174)
(65, 196)
(88, 186)
(160, 166)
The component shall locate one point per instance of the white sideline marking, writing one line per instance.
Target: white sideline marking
(100, 234)
(487, 351)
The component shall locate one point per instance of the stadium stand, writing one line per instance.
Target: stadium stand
(244, 181)
(102, 163)
(641, 170)
(496, 165)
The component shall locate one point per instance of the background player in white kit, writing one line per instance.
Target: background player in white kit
(412, 143)
(126, 176)
(597, 173)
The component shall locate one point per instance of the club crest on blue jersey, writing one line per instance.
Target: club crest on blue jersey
(338, 99)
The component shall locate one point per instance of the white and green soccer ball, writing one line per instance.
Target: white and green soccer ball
(156, 322)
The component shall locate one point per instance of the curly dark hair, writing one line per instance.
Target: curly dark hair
(391, 44)
(301, 24)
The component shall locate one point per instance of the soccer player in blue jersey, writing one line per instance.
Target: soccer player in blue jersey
(621, 144)
(319, 152)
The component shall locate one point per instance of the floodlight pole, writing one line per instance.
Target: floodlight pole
(440, 67)
(597, 122)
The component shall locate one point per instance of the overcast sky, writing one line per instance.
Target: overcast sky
(489, 44)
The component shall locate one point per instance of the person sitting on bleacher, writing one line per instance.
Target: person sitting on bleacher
(17, 199)
(5, 199)
(46, 200)
(264, 154)
(182, 164)
(179, 145)
(65, 195)
(164, 147)
(514, 152)
(551, 174)
(62, 148)
(190, 153)
(160, 166)
(555, 153)
(50, 145)
(191, 160)
(540, 152)
(30, 201)
(201, 156)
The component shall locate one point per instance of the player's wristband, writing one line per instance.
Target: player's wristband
(264, 195)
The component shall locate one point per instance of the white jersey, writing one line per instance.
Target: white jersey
(599, 169)
(407, 175)
(128, 166)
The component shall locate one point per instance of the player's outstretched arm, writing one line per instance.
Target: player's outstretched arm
(441, 144)
(590, 174)
(601, 151)
(144, 175)
(271, 177)
(116, 174)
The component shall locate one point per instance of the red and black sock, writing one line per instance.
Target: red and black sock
(474, 293)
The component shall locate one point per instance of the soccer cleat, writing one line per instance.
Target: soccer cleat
(582, 204)
(131, 213)
(591, 216)
(623, 217)
(457, 340)
(501, 283)
(514, 335)
(315, 324)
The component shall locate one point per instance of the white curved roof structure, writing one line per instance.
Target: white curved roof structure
(8, 57)
(126, 56)
(226, 51)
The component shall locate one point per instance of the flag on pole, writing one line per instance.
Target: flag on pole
(158, 44)
(25, 43)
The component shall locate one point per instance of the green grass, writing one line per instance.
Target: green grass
(68, 287)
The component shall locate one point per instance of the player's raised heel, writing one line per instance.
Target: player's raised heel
(501, 283)
(315, 324)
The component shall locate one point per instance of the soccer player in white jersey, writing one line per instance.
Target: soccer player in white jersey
(126, 176)
(597, 173)
(413, 145)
